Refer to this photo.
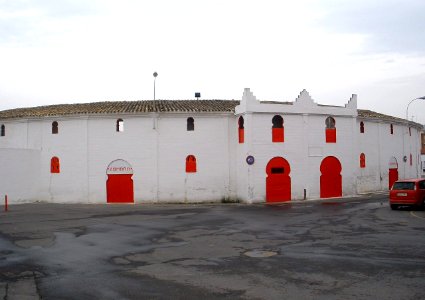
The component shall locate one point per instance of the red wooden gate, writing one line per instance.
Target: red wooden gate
(392, 177)
(278, 181)
(119, 186)
(392, 172)
(331, 179)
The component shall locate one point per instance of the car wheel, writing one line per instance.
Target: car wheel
(393, 206)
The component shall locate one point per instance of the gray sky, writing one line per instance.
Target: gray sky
(71, 51)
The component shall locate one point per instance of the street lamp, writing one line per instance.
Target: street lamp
(407, 110)
(407, 128)
(155, 74)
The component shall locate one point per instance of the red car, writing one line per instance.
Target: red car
(408, 192)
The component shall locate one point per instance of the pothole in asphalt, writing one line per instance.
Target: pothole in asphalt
(260, 253)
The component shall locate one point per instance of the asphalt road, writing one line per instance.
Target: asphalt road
(355, 248)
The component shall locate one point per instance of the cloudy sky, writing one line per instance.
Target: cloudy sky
(73, 51)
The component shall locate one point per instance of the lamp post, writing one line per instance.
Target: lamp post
(407, 128)
(407, 109)
(155, 74)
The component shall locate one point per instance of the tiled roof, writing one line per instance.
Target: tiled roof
(118, 107)
(368, 114)
(123, 107)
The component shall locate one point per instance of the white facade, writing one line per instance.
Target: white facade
(156, 145)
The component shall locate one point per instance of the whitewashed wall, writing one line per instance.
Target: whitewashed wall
(156, 146)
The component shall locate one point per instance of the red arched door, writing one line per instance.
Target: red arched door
(278, 181)
(119, 186)
(392, 172)
(331, 179)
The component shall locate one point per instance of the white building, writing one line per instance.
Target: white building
(202, 150)
(423, 153)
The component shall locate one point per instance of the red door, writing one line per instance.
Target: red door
(331, 179)
(119, 188)
(278, 181)
(392, 177)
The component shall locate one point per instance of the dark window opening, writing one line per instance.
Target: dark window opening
(278, 170)
(330, 123)
(277, 129)
(190, 124)
(410, 131)
(361, 127)
(277, 121)
(120, 125)
(392, 129)
(55, 127)
(241, 122)
(3, 130)
(241, 132)
(330, 131)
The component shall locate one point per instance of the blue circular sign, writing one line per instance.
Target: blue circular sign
(250, 160)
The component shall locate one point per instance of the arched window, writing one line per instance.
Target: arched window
(190, 124)
(330, 130)
(277, 129)
(55, 127)
(362, 160)
(241, 130)
(3, 130)
(54, 165)
(361, 127)
(190, 164)
(120, 125)
(391, 128)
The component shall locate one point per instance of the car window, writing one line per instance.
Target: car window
(404, 186)
(422, 185)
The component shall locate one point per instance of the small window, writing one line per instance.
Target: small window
(410, 131)
(190, 124)
(361, 127)
(277, 129)
(330, 123)
(392, 129)
(3, 130)
(241, 132)
(190, 164)
(54, 165)
(277, 170)
(55, 127)
(411, 159)
(120, 125)
(362, 160)
(330, 130)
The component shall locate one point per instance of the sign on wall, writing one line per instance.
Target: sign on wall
(119, 166)
(250, 160)
(392, 164)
